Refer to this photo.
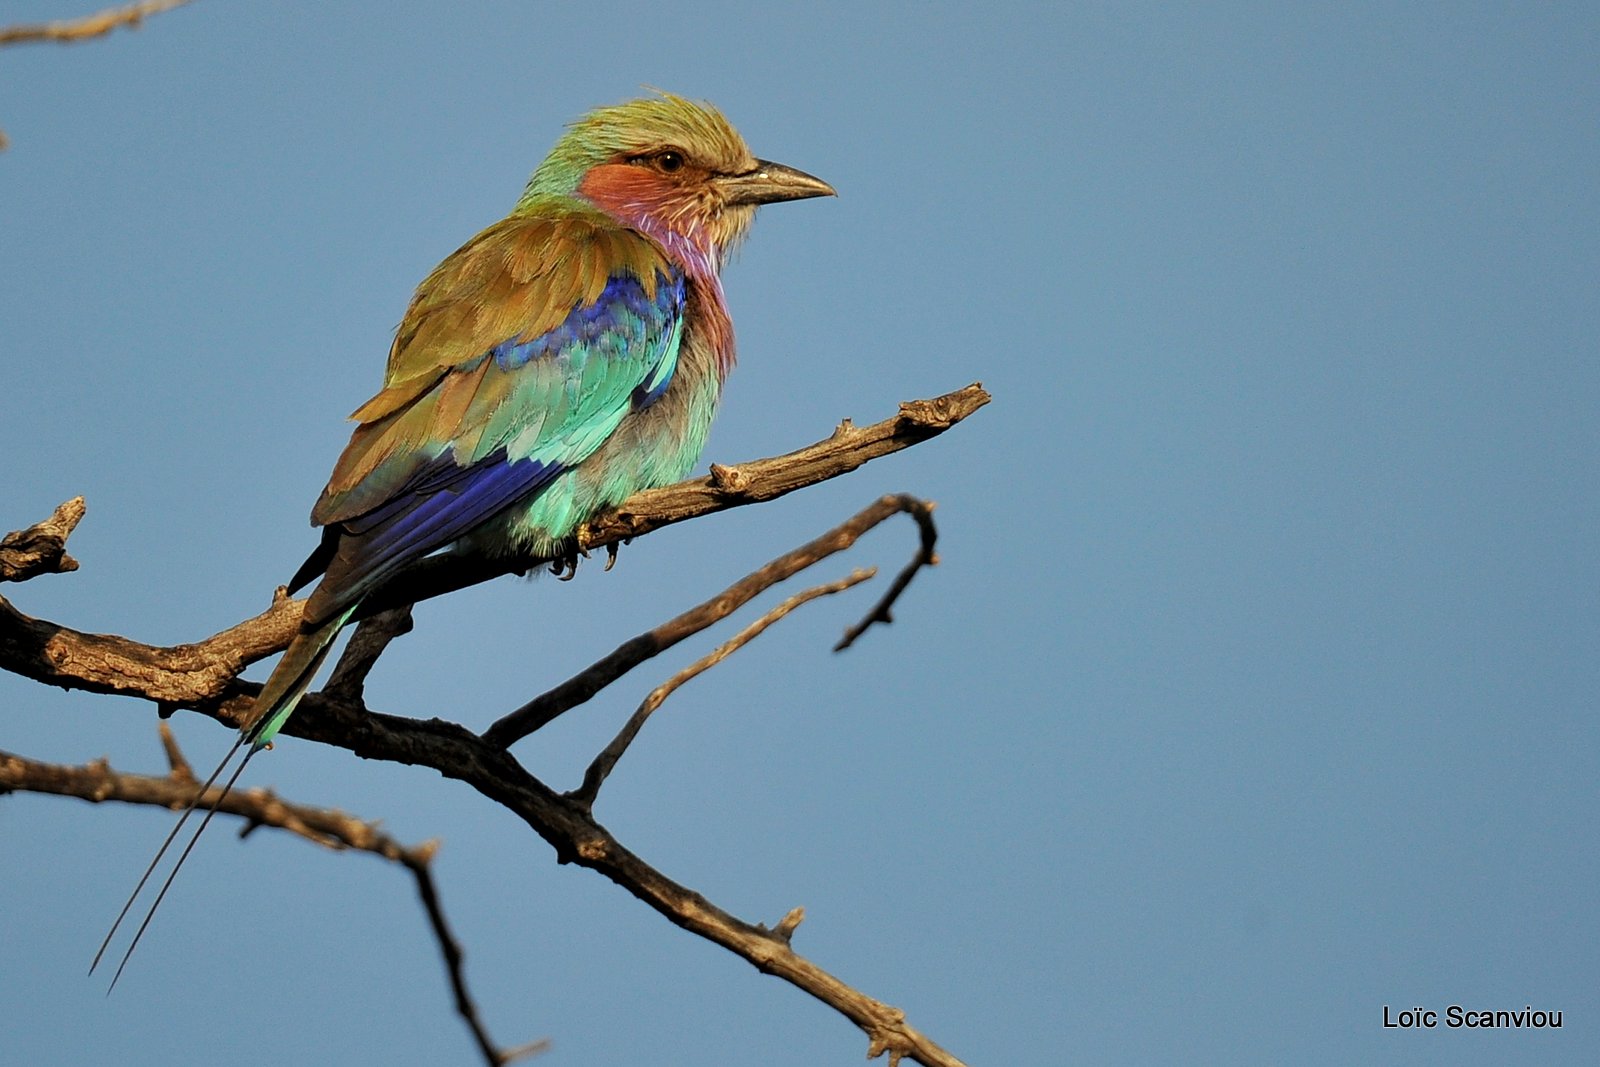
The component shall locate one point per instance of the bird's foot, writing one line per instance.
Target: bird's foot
(565, 568)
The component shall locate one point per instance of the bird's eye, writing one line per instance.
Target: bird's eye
(669, 161)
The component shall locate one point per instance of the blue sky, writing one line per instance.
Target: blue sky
(1256, 689)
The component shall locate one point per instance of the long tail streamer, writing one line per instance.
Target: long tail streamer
(162, 851)
(277, 701)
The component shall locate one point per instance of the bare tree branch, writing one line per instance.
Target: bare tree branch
(197, 674)
(456, 752)
(767, 479)
(205, 676)
(42, 547)
(600, 769)
(347, 683)
(754, 482)
(454, 959)
(922, 511)
(71, 31)
(96, 782)
(578, 689)
(181, 769)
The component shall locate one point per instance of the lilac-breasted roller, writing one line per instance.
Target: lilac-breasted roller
(563, 359)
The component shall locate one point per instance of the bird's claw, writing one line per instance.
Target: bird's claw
(565, 568)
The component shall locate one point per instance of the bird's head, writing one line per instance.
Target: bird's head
(671, 168)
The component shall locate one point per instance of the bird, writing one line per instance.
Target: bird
(564, 358)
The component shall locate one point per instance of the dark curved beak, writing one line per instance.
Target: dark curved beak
(771, 183)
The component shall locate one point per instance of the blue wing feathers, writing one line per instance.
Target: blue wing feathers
(623, 308)
(569, 389)
(413, 527)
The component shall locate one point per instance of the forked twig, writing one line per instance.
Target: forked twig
(205, 672)
(601, 768)
(205, 676)
(98, 782)
(576, 690)
(922, 511)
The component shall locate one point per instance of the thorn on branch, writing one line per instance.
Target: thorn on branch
(525, 1052)
(787, 925)
(879, 1045)
(181, 770)
(42, 547)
